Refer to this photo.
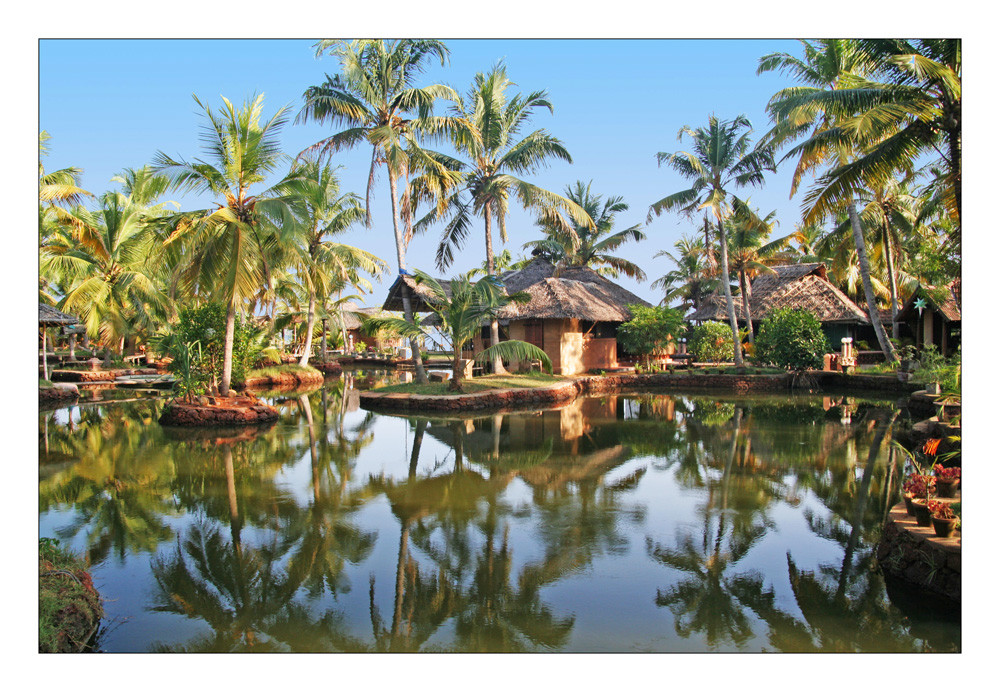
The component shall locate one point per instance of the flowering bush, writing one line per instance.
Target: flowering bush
(947, 474)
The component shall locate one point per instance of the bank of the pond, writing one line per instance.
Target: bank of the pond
(69, 607)
(918, 556)
(218, 411)
(563, 392)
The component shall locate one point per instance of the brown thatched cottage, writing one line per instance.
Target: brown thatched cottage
(573, 314)
(795, 286)
(934, 316)
(352, 315)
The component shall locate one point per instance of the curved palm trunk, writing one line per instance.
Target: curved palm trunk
(730, 307)
(891, 264)
(498, 368)
(866, 279)
(457, 371)
(745, 293)
(227, 350)
(418, 364)
(310, 323)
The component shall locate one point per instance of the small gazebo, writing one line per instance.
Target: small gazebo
(48, 316)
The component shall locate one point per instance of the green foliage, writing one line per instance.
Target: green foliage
(791, 338)
(650, 330)
(207, 325)
(190, 379)
(712, 342)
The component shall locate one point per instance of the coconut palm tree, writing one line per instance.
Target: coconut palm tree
(821, 110)
(752, 255)
(589, 245)
(229, 243)
(322, 265)
(106, 260)
(690, 281)
(487, 135)
(722, 161)
(462, 311)
(376, 98)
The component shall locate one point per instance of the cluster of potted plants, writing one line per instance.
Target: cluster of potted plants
(917, 490)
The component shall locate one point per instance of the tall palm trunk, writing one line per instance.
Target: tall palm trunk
(730, 307)
(866, 279)
(891, 263)
(498, 368)
(310, 323)
(227, 350)
(745, 293)
(418, 364)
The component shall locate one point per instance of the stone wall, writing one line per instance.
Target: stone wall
(916, 555)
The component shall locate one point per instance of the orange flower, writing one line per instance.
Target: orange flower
(931, 446)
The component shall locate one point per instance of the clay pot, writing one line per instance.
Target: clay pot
(922, 513)
(944, 528)
(946, 488)
(908, 499)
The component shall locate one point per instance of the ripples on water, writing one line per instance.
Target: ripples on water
(640, 522)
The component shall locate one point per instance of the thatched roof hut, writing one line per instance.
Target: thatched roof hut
(948, 302)
(48, 316)
(567, 292)
(420, 295)
(939, 323)
(791, 285)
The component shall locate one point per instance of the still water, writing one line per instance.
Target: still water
(644, 522)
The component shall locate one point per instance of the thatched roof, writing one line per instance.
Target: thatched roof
(353, 314)
(48, 316)
(420, 294)
(792, 286)
(555, 292)
(950, 307)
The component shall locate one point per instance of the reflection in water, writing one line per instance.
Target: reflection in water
(718, 524)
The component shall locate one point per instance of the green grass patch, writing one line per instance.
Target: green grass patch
(477, 384)
(277, 370)
(69, 607)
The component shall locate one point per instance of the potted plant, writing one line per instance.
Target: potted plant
(943, 518)
(917, 489)
(946, 480)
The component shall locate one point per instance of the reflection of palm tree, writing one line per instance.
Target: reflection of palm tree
(118, 485)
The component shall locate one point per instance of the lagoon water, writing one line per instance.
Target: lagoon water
(643, 522)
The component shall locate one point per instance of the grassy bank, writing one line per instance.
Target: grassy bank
(477, 384)
(69, 607)
(279, 370)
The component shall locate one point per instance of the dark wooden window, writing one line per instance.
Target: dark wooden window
(534, 333)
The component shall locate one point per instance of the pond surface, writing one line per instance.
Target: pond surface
(634, 523)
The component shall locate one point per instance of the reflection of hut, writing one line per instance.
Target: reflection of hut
(934, 316)
(48, 316)
(794, 286)
(573, 313)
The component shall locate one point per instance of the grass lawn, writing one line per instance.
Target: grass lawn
(477, 384)
(288, 369)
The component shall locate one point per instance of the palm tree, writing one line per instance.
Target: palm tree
(721, 161)
(589, 245)
(462, 311)
(107, 260)
(229, 243)
(322, 265)
(487, 134)
(691, 280)
(372, 96)
(752, 254)
(821, 109)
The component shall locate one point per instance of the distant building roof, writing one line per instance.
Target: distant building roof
(555, 293)
(947, 301)
(48, 316)
(793, 286)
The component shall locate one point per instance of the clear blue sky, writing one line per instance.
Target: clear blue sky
(111, 104)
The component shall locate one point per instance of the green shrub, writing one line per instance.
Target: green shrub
(206, 325)
(791, 338)
(650, 330)
(712, 342)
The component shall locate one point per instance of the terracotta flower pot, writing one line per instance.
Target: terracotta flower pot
(922, 513)
(946, 488)
(908, 499)
(944, 528)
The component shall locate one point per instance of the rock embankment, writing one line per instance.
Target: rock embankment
(218, 411)
(916, 555)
